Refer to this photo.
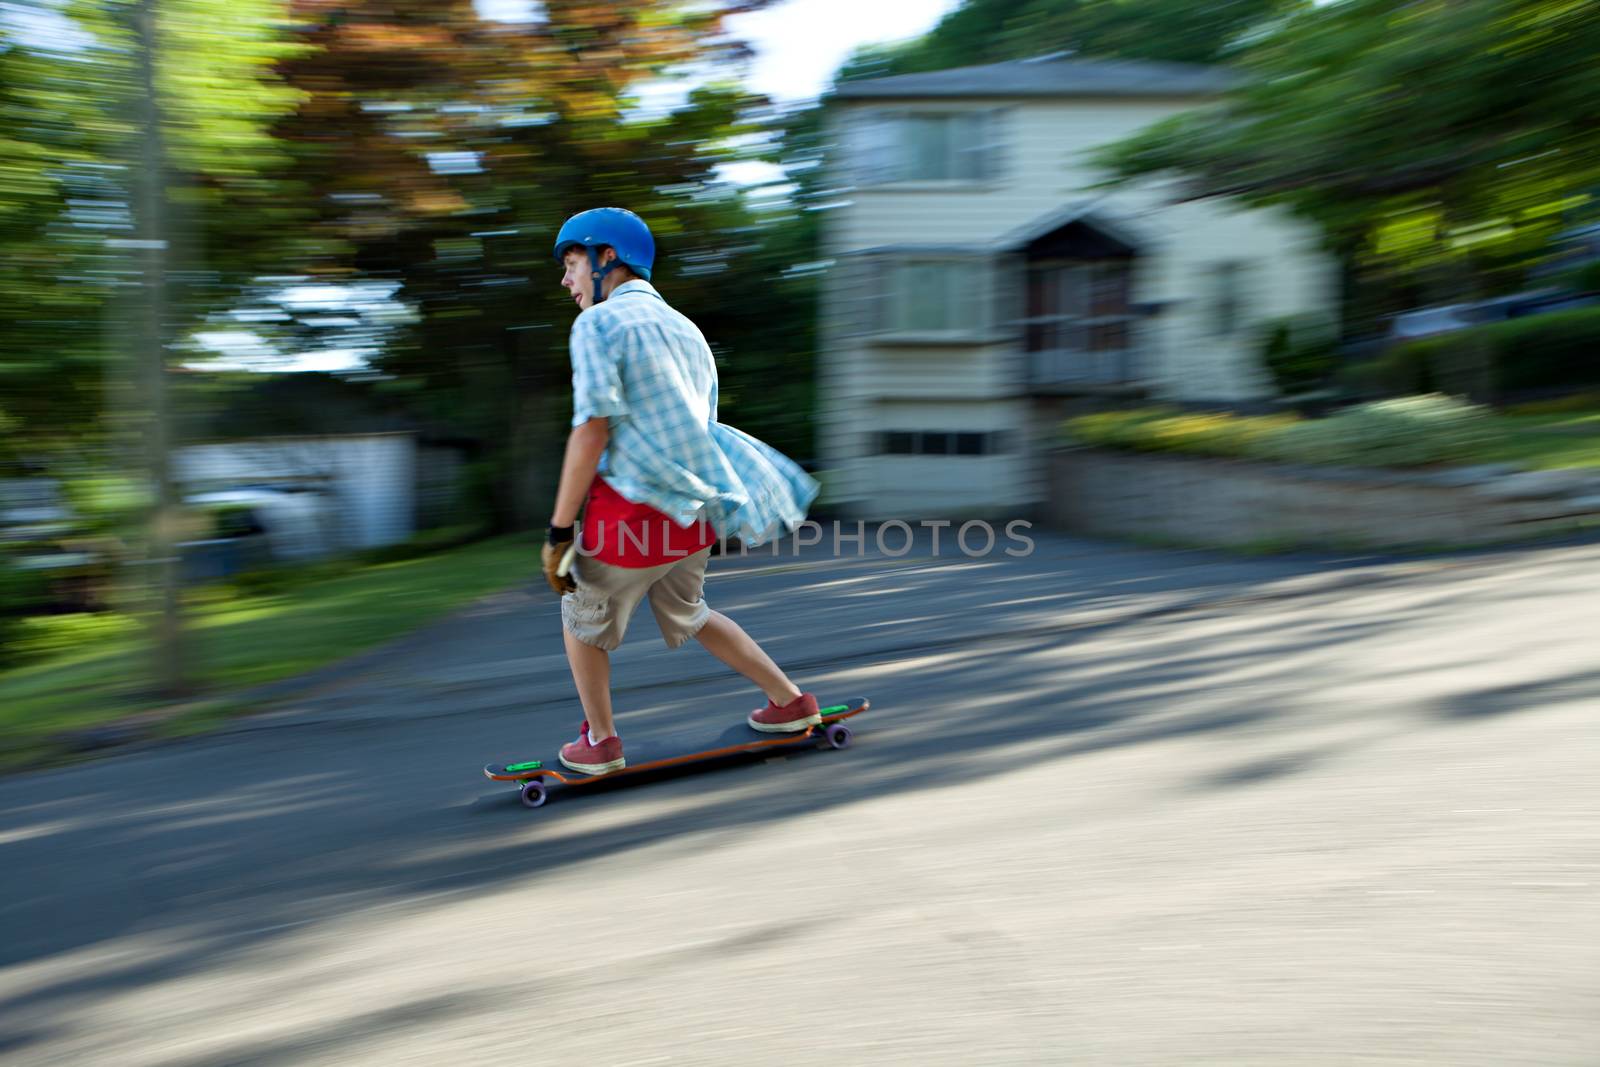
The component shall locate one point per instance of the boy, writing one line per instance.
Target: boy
(658, 478)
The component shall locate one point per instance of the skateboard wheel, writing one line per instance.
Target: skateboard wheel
(838, 735)
(534, 793)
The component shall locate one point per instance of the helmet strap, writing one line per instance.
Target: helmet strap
(597, 272)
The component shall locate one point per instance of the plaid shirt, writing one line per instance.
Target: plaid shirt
(649, 369)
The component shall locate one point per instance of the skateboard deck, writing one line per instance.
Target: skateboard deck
(535, 778)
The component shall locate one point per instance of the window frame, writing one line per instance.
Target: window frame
(1227, 310)
(875, 287)
(881, 151)
(943, 443)
(1081, 312)
(1084, 313)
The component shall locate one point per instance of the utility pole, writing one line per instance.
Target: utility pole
(149, 337)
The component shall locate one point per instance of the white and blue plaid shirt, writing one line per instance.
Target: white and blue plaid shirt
(649, 369)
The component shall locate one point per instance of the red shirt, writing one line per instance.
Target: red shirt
(624, 534)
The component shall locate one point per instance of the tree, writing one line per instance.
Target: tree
(54, 156)
(1437, 143)
(70, 142)
(993, 31)
(444, 152)
(161, 117)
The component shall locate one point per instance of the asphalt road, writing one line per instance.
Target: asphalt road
(1110, 806)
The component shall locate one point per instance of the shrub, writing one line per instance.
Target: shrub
(1404, 370)
(1542, 351)
(21, 592)
(107, 504)
(1117, 429)
(1556, 350)
(41, 636)
(1571, 404)
(1169, 430)
(277, 579)
(1587, 277)
(1395, 433)
(426, 542)
(1300, 352)
(1220, 435)
(1410, 432)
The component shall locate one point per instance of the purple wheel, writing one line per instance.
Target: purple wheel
(838, 735)
(534, 793)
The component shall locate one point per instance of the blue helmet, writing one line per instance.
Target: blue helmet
(618, 227)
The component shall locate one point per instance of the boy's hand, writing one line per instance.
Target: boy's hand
(557, 542)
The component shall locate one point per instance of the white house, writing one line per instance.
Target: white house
(980, 283)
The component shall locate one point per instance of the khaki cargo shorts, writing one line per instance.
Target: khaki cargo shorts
(598, 613)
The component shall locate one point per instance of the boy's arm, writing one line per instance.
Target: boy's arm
(585, 444)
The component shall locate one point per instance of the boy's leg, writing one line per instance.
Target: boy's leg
(679, 604)
(591, 673)
(594, 619)
(726, 640)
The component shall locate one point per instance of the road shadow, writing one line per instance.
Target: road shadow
(218, 848)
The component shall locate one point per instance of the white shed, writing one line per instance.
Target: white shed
(370, 479)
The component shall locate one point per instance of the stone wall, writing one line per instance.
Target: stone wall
(1194, 500)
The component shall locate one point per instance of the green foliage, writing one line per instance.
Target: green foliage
(1547, 439)
(1587, 278)
(405, 144)
(1169, 430)
(1575, 403)
(281, 579)
(22, 593)
(69, 150)
(1300, 352)
(306, 146)
(106, 503)
(1436, 144)
(38, 637)
(19, 591)
(1409, 432)
(1557, 350)
(992, 31)
(544, 113)
(1412, 432)
(1403, 370)
(426, 543)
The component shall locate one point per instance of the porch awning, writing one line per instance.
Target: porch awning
(1076, 232)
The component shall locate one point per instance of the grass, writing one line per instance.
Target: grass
(1546, 442)
(91, 668)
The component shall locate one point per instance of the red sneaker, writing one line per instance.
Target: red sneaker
(793, 717)
(585, 758)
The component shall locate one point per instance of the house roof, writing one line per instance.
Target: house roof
(1048, 77)
(1082, 213)
(1087, 213)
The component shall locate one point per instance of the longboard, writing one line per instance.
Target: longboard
(535, 778)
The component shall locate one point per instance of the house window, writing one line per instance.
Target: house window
(941, 443)
(935, 296)
(1230, 298)
(914, 295)
(898, 443)
(923, 146)
(1079, 307)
